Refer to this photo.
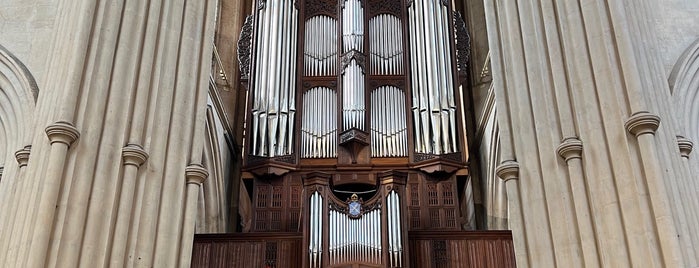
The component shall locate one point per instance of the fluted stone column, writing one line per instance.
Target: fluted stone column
(196, 175)
(131, 77)
(61, 135)
(571, 151)
(568, 73)
(12, 210)
(508, 171)
(133, 157)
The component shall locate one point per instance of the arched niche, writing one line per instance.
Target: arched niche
(18, 95)
(684, 86)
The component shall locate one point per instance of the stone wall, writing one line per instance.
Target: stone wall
(26, 30)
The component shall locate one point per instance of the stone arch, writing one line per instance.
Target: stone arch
(18, 95)
(684, 86)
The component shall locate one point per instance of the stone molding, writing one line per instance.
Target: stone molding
(685, 145)
(570, 148)
(133, 154)
(508, 170)
(22, 156)
(196, 174)
(642, 123)
(62, 132)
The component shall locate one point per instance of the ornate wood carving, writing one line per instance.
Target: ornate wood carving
(384, 6)
(318, 7)
(245, 48)
(463, 44)
(357, 56)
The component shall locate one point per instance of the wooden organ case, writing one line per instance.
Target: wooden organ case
(354, 133)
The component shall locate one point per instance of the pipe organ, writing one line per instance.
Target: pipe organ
(354, 100)
(433, 105)
(274, 83)
(389, 132)
(354, 238)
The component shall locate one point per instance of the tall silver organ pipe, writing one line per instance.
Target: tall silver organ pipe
(274, 80)
(386, 45)
(319, 123)
(353, 240)
(434, 109)
(353, 106)
(320, 50)
(353, 76)
(389, 131)
(353, 26)
(315, 241)
(395, 243)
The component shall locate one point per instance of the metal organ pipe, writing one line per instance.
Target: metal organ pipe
(386, 45)
(395, 246)
(316, 230)
(320, 52)
(353, 240)
(434, 109)
(389, 132)
(353, 75)
(274, 80)
(319, 123)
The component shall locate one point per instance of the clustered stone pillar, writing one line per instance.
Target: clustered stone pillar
(130, 78)
(568, 73)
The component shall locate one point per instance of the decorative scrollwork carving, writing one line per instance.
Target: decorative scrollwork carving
(463, 44)
(357, 56)
(261, 4)
(245, 48)
(384, 6)
(316, 7)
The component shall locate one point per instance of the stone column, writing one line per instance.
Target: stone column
(689, 186)
(575, 71)
(508, 171)
(133, 156)
(196, 175)
(123, 73)
(61, 135)
(12, 209)
(643, 125)
(571, 151)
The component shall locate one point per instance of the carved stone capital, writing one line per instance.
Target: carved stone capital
(508, 170)
(22, 156)
(133, 154)
(62, 132)
(196, 174)
(570, 148)
(685, 145)
(642, 123)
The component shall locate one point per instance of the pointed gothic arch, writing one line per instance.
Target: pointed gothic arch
(684, 86)
(18, 95)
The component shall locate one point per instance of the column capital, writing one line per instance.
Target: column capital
(22, 156)
(196, 174)
(570, 148)
(133, 154)
(685, 145)
(62, 132)
(508, 170)
(642, 123)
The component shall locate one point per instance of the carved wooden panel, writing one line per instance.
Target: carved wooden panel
(277, 206)
(247, 250)
(461, 249)
(433, 204)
